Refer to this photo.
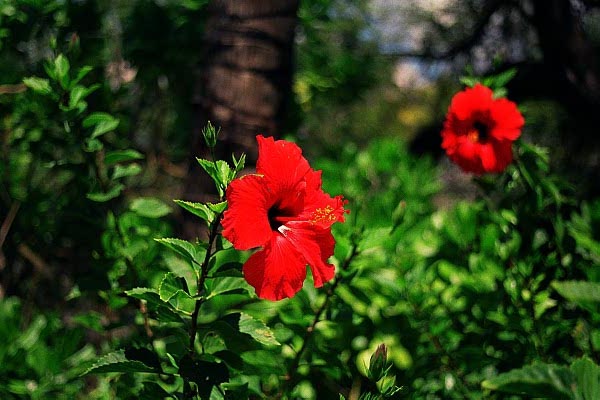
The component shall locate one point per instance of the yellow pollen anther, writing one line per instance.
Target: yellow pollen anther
(323, 215)
(473, 135)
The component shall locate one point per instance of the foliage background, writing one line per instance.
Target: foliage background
(465, 285)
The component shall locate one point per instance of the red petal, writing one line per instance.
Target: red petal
(508, 120)
(316, 246)
(488, 157)
(471, 100)
(245, 222)
(281, 161)
(278, 271)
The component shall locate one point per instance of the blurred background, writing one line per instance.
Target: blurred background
(336, 76)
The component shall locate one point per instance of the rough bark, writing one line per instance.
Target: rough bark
(245, 81)
(247, 71)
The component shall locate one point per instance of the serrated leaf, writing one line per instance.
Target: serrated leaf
(149, 207)
(102, 123)
(258, 330)
(579, 292)
(183, 247)
(587, 375)
(218, 208)
(173, 289)
(163, 310)
(38, 85)
(537, 380)
(118, 362)
(170, 285)
(114, 157)
(148, 294)
(198, 209)
(101, 197)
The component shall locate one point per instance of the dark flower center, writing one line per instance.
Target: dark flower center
(278, 217)
(483, 131)
(272, 215)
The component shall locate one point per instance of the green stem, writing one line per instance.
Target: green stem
(311, 328)
(187, 390)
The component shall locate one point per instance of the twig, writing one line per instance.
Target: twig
(10, 217)
(38, 262)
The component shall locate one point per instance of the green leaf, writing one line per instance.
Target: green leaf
(537, 380)
(587, 375)
(118, 156)
(61, 68)
(262, 362)
(198, 209)
(183, 247)
(170, 285)
(149, 207)
(503, 78)
(78, 93)
(218, 208)
(258, 330)
(164, 312)
(81, 73)
(118, 362)
(38, 85)
(102, 123)
(580, 292)
(122, 171)
(216, 286)
(147, 294)
(106, 196)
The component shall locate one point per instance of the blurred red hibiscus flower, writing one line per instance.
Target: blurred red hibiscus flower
(282, 210)
(479, 130)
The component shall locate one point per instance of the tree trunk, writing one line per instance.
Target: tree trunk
(245, 81)
(247, 73)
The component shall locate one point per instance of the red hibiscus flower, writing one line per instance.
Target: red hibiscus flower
(479, 130)
(282, 210)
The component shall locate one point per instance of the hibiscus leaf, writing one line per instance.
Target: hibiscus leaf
(118, 362)
(217, 207)
(170, 285)
(213, 169)
(216, 286)
(258, 330)
(238, 164)
(173, 289)
(183, 247)
(198, 209)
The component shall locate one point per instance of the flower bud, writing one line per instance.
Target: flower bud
(378, 363)
(210, 134)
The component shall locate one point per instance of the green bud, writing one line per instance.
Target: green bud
(378, 363)
(210, 135)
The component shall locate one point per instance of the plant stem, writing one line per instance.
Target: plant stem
(187, 389)
(311, 328)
